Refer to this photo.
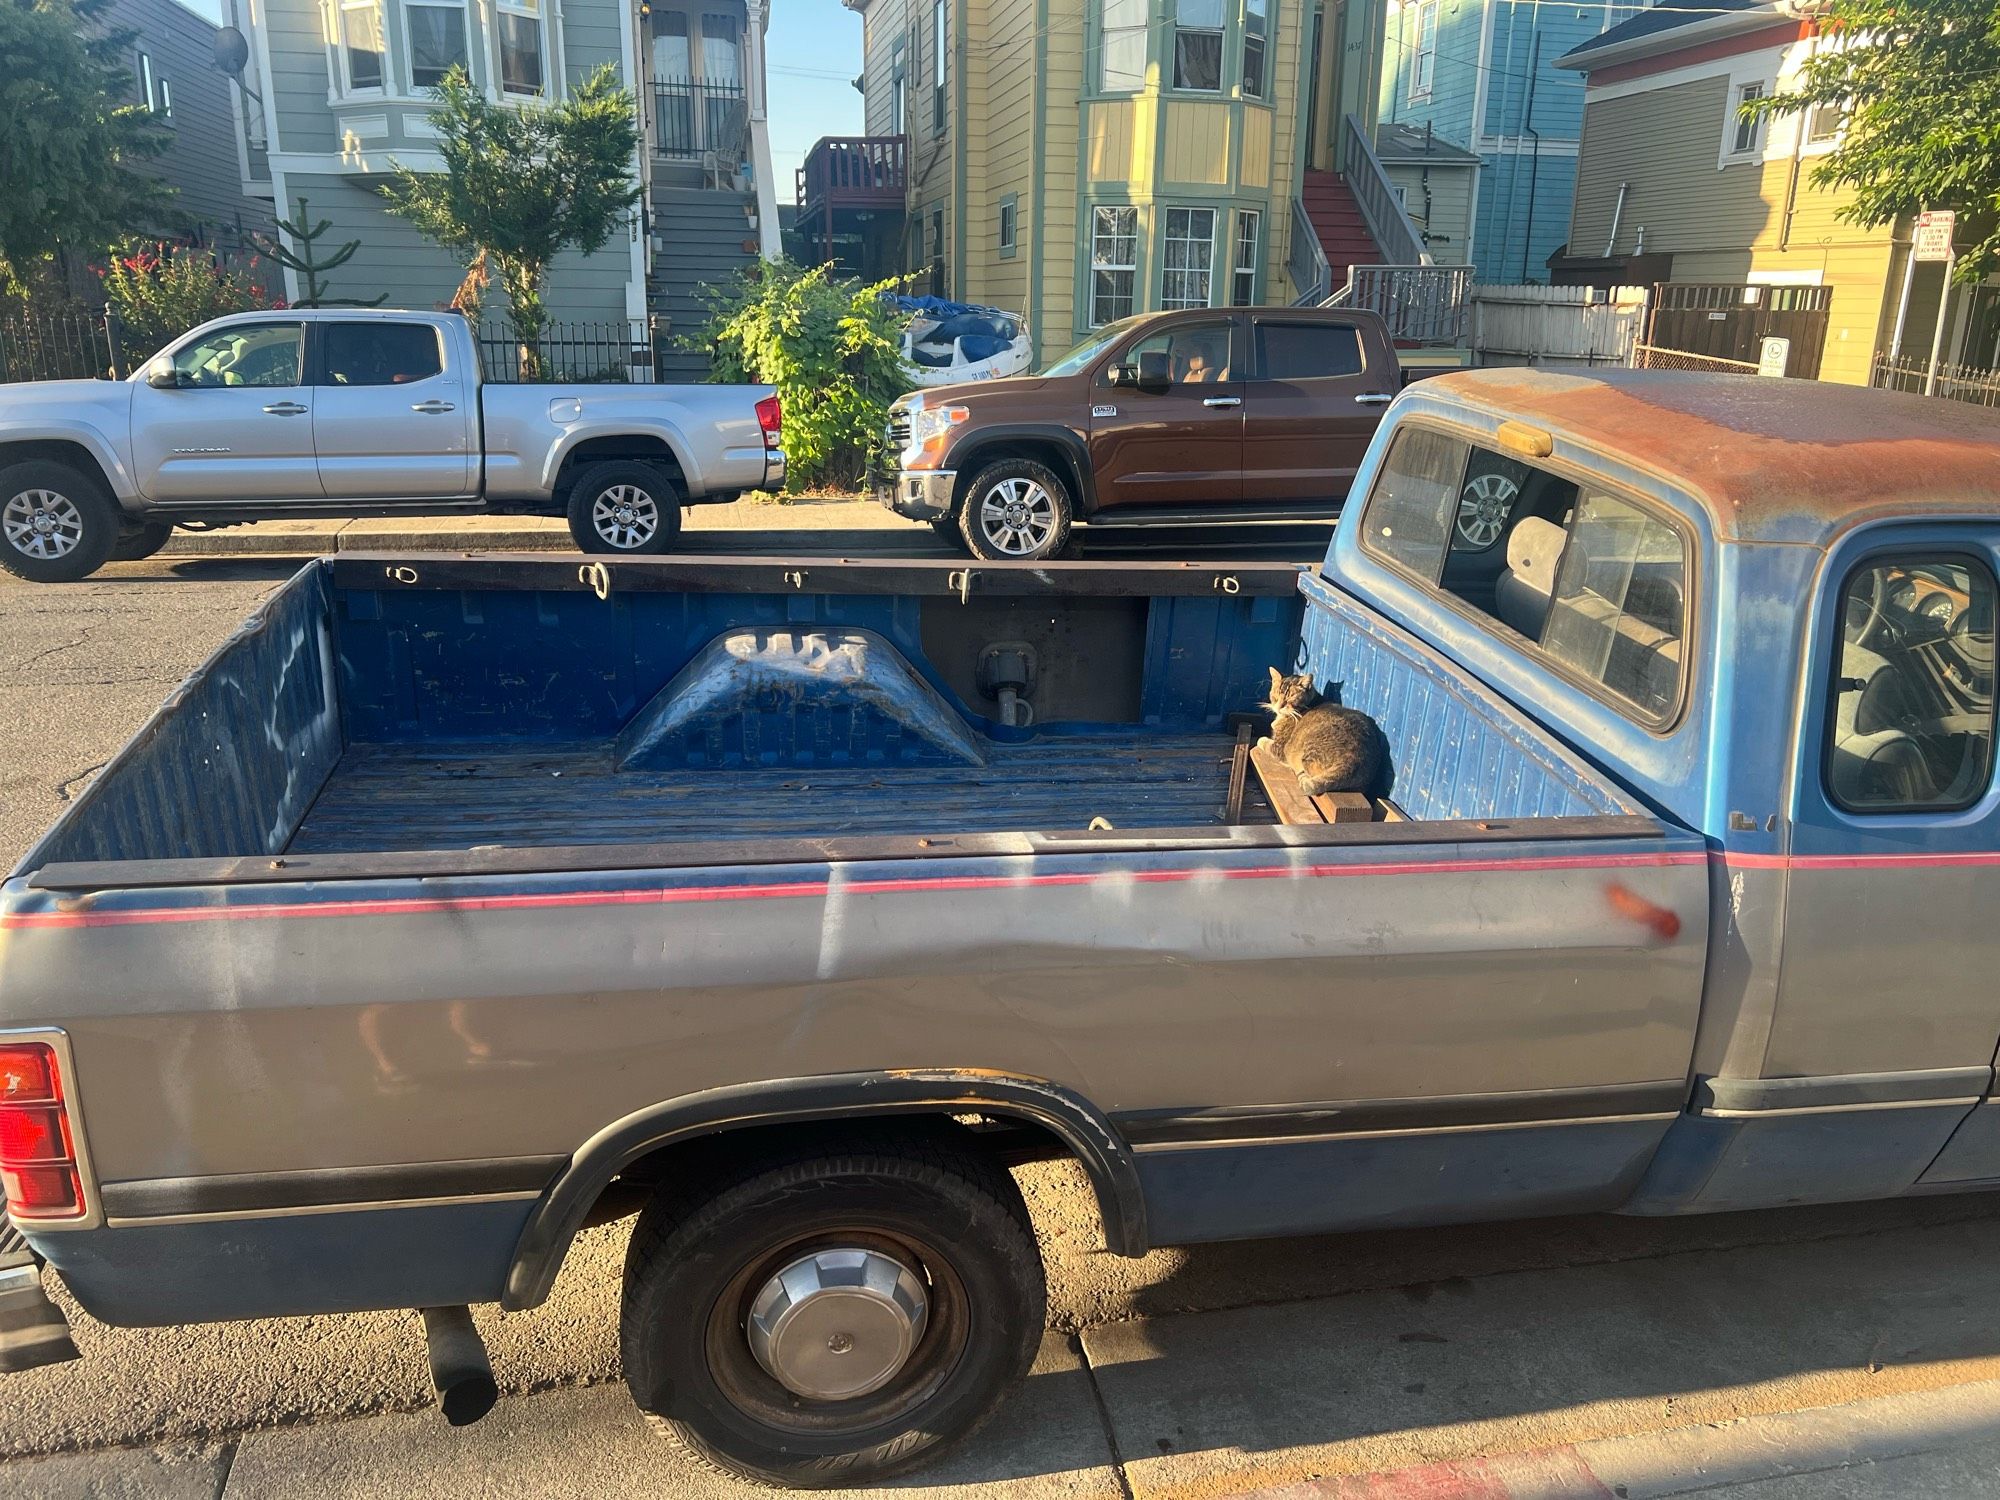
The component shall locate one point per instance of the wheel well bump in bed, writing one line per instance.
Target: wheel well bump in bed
(1047, 1120)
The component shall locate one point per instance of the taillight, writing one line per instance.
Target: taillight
(770, 417)
(38, 1171)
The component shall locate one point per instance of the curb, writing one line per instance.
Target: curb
(247, 542)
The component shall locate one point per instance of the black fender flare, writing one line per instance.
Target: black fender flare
(972, 449)
(1089, 1135)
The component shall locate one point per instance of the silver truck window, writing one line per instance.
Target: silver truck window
(1618, 611)
(1408, 516)
(253, 354)
(1911, 703)
(365, 353)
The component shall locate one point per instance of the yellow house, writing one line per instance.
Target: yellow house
(1081, 160)
(1675, 184)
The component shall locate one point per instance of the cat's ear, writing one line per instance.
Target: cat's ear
(1277, 679)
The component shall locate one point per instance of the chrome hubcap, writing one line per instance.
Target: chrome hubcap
(838, 1323)
(1483, 507)
(42, 524)
(1017, 516)
(625, 516)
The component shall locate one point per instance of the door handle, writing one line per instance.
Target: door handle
(1373, 398)
(1221, 400)
(433, 408)
(286, 409)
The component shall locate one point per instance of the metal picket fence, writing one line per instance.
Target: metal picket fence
(62, 346)
(1966, 383)
(610, 351)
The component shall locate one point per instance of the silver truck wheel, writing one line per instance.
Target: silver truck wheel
(624, 508)
(1015, 510)
(56, 524)
(835, 1320)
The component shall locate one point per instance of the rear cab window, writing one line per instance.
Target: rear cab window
(381, 353)
(1306, 351)
(1593, 581)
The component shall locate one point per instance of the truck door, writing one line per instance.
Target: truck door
(1310, 409)
(1177, 445)
(1887, 1016)
(237, 426)
(393, 418)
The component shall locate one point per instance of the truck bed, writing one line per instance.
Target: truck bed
(410, 797)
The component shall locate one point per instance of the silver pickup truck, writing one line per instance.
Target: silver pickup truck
(280, 414)
(460, 902)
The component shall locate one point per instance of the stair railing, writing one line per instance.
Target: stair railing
(1381, 209)
(1422, 304)
(1312, 277)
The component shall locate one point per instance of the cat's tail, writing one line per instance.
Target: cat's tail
(1330, 781)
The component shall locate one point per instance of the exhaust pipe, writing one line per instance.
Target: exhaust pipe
(460, 1370)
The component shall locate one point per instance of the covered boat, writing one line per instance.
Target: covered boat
(949, 342)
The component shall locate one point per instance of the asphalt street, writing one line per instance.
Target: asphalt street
(82, 665)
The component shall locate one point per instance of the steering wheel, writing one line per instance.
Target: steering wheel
(1875, 619)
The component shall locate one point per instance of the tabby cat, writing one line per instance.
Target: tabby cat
(1328, 747)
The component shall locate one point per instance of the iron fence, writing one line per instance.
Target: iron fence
(63, 346)
(1653, 357)
(692, 118)
(1966, 383)
(612, 351)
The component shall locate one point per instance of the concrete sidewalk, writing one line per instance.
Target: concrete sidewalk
(317, 535)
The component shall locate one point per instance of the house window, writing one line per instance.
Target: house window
(1198, 45)
(937, 67)
(1009, 221)
(1243, 274)
(1114, 263)
(721, 51)
(1423, 59)
(1188, 273)
(521, 69)
(898, 97)
(1121, 46)
(163, 104)
(1824, 123)
(437, 41)
(937, 253)
(1256, 24)
(361, 44)
(1749, 133)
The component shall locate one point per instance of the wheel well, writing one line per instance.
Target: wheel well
(58, 451)
(636, 447)
(1038, 450)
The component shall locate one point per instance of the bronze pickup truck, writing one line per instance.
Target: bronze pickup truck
(1254, 414)
(459, 902)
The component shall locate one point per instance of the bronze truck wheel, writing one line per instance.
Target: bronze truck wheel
(56, 523)
(835, 1320)
(1015, 510)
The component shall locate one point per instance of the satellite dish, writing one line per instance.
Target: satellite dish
(232, 51)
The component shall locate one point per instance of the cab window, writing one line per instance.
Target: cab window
(244, 354)
(366, 353)
(1197, 353)
(1912, 696)
(1593, 582)
(1307, 351)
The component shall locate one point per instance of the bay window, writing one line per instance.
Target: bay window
(437, 40)
(1198, 45)
(1188, 246)
(1121, 45)
(1256, 26)
(522, 66)
(1243, 271)
(1114, 263)
(361, 45)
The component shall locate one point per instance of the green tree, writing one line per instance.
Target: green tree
(522, 184)
(302, 258)
(833, 349)
(1921, 85)
(160, 291)
(67, 139)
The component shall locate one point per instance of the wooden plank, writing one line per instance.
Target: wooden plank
(1288, 799)
(1389, 812)
(1344, 807)
(1239, 767)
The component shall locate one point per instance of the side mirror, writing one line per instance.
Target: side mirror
(161, 374)
(1155, 374)
(1124, 375)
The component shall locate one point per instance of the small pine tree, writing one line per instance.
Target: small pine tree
(304, 259)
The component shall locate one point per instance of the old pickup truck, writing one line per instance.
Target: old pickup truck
(456, 904)
(275, 415)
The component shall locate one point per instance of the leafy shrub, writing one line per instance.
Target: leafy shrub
(160, 291)
(830, 345)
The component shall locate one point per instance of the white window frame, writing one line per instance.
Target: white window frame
(342, 72)
(1740, 91)
(1130, 269)
(409, 39)
(542, 15)
(1423, 54)
(1254, 218)
(165, 108)
(1008, 225)
(940, 64)
(1215, 220)
(899, 91)
(1809, 146)
(1264, 57)
(1105, 31)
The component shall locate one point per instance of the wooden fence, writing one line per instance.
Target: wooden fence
(1556, 326)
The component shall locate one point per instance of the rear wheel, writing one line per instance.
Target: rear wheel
(1016, 510)
(835, 1320)
(56, 523)
(626, 508)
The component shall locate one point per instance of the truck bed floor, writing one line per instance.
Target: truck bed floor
(403, 797)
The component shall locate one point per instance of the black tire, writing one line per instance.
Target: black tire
(56, 523)
(142, 543)
(642, 503)
(696, 1264)
(1015, 510)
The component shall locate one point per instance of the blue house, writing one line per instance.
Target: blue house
(1481, 75)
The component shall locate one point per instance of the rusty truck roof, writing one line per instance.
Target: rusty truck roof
(1770, 460)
